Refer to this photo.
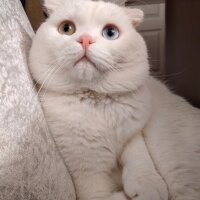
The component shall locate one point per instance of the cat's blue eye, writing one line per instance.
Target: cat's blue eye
(110, 32)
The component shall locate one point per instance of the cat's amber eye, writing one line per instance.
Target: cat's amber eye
(110, 32)
(67, 28)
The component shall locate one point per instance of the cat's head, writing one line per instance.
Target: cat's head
(89, 45)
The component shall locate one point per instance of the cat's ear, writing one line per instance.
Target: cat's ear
(136, 15)
(52, 5)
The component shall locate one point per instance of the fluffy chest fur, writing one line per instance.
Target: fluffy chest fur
(89, 127)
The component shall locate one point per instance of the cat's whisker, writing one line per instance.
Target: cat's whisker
(48, 71)
(104, 61)
(51, 78)
(34, 87)
(41, 86)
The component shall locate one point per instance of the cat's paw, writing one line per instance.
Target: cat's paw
(146, 188)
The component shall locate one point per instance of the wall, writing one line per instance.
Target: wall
(183, 48)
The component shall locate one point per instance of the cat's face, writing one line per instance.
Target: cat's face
(89, 45)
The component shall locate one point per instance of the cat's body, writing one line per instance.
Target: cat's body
(92, 131)
(100, 102)
(173, 139)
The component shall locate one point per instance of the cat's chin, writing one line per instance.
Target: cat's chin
(85, 70)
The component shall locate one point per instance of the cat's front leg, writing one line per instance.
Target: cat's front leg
(139, 176)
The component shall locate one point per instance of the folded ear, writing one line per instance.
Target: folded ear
(52, 5)
(136, 15)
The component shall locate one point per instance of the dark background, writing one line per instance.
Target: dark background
(183, 48)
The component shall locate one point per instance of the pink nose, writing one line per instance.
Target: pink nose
(85, 41)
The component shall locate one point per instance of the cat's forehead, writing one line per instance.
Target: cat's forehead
(96, 12)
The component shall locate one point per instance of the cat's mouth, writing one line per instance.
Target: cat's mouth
(84, 59)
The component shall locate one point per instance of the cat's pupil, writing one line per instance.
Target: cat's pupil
(111, 32)
(66, 27)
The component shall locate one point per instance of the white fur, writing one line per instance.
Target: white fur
(98, 113)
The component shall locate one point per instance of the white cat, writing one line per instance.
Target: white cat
(122, 134)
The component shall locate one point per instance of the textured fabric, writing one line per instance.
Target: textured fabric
(30, 165)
